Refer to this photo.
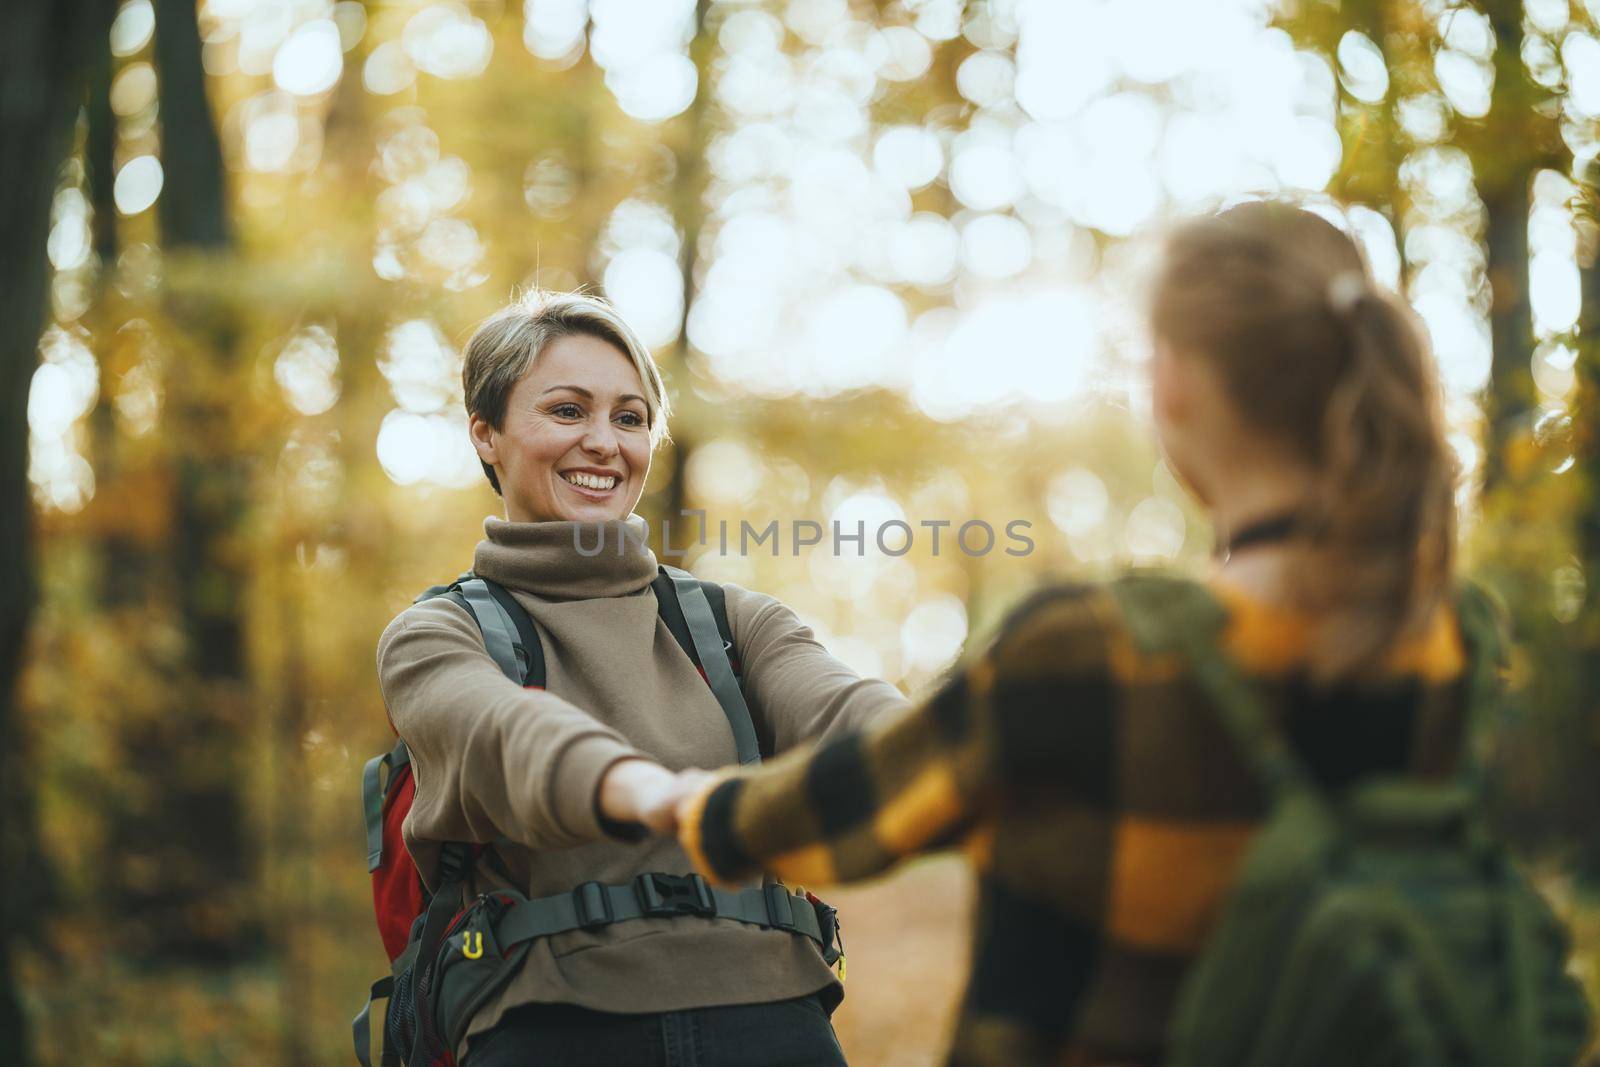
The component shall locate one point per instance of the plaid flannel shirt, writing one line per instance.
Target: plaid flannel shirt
(1098, 796)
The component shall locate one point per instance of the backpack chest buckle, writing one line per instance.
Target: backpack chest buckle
(671, 894)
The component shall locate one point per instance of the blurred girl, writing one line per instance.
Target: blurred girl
(1094, 783)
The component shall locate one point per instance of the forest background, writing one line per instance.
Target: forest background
(889, 255)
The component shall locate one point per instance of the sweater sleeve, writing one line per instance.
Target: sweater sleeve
(490, 757)
(919, 779)
(798, 691)
(851, 807)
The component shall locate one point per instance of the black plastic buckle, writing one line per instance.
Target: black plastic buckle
(780, 908)
(593, 905)
(672, 894)
(455, 859)
(828, 926)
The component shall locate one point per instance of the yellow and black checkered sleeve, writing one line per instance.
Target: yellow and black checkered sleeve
(854, 806)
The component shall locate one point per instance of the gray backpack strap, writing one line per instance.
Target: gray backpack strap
(499, 630)
(373, 791)
(361, 1028)
(714, 661)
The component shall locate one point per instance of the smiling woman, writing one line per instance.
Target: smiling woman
(561, 770)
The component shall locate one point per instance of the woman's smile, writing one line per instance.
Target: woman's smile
(592, 483)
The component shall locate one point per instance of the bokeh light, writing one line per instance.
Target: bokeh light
(310, 61)
(306, 370)
(133, 27)
(138, 184)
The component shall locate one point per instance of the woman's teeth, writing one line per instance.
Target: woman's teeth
(591, 481)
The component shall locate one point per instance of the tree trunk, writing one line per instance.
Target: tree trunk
(99, 152)
(186, 886)
(1515, 143)
(45, 50)
(1586, 416)
(193, 207)
(1510, 394)
(688, 205)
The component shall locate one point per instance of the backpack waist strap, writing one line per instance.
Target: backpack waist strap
(595, 904)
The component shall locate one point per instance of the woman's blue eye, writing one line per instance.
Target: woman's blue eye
(633, 418)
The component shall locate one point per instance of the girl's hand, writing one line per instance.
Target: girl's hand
(690, 783)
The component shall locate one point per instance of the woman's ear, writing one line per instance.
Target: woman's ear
(483, 438)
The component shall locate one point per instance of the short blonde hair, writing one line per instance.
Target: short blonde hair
(504, 346)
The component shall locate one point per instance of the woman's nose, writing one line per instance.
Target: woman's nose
(600, 439)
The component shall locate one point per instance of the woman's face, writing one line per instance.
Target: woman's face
(575, 444)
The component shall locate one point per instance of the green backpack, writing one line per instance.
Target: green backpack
(1385, 927)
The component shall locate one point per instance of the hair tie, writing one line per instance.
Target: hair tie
(1346, 290)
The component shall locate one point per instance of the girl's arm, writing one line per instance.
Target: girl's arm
(916, 781)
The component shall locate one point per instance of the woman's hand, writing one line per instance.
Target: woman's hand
(640, 791)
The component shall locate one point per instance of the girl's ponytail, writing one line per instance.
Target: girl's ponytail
(1381, 522)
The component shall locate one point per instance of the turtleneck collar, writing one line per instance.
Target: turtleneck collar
(567, 560)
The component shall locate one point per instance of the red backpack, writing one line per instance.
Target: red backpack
(449, 955)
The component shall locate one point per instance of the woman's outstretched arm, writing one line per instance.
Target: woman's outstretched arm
(798, 691)
(491, 758)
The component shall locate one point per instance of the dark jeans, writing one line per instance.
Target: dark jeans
(782, 1033)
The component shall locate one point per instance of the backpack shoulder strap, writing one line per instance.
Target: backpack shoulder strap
(440, 590)
(717, 597)
(527, 643)
(696, 613)
(500, 636)
(1482, 621)
(373, 789)
(1168, 613)
(508, 631)
(671, 613)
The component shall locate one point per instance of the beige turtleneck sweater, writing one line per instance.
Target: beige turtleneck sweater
(493, 759)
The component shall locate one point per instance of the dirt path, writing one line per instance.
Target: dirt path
(906, 944)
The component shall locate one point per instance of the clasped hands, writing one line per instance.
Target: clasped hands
(642, 791)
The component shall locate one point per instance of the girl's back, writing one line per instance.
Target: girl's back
(1128, 807)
